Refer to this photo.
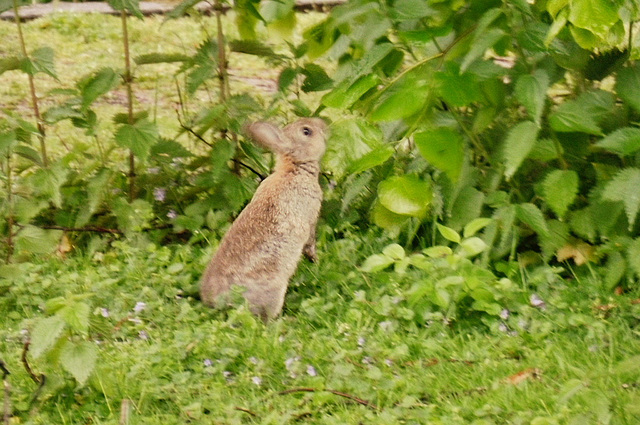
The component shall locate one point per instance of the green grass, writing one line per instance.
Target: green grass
(178, 361)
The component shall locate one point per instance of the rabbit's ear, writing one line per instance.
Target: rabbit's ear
(269, 136)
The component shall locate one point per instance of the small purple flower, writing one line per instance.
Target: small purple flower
(503, 328)
(208, 363)
(367, 360)
(153, 170)
(143, 335)
(290, 362)
(172, 214)
(159, 194)
(387, 325)
(256, 380)
(104, 312)
(504, 314)
(311, 371)
(253, 360)
(537, 302)
(361, 341)
(388, 362)
(139, 307)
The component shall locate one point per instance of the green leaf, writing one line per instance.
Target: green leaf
(483, 41)
(633, 256)
(10, 63)
(596, 16)
(59, 113)
(394, 251)
(76, 316)
(132, 217)
(628, 366)
(131, 6)
(404, 10)
(624, 141)
(345, 94)
(531, 92)
(476, 225)
(97, 187)
(253, 47)
(138, 137)
(45, 333)
(349, 141)
(8, 4)
(448, 233)
(34, 240)
(628, 86)
(386, 219)
(47, 182)
(624, 187)
(372, 159)
(560, 189)
(405, 195)
(533, 217)
(316, 78)
(7, 141)
(404, 97)
(444, 149)
(473, 246)
(583, 114)
(519, 143)
(458, 89)
(155, 58)
(181, 9)
(376, 263)
(41, 60)
(79, 359)
(97, 84)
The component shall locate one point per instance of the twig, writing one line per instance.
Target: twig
(83, 229)
(242, 409)
(7, 393)
(124, 411)
(334, 392)
(40, 380)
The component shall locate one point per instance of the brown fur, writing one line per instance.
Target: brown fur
(262, 248)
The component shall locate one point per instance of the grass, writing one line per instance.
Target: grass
(349, 348)
(338, 355)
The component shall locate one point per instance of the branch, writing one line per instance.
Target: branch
(83, 229)
(7, 393)
(334, 392)
(40, 380)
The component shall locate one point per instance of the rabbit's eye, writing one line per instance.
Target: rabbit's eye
(307, 131)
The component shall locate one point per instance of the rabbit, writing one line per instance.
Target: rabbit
(262, 248)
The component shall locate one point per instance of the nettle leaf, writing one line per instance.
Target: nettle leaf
(10, 63)
(533, 217)
(154, 58)
(624, 141)
(34, 240)
(131, 6)
(483, 41)
(349, 141)
(132, 217)
(8, 4)
(476, 225)
(181, 9)
(8, 140)
(41, 60)
(519, 143)
(531, 92)
(583, 114)
(97, 84)
(406, 195)
(76, 316)
(596, 16)
(560, 189)
(316, 78)
(457, 89)
(247, 16)
(345, 94)
(138, 137)
(404, 97)
(372, 159)
(633, 255)
(444, 149)
(45, 333)
(628, 86)
(79, 359)
(624, 187)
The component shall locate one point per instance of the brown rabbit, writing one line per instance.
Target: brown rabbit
(262, 248)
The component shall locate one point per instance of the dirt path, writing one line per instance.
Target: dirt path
(147, 8)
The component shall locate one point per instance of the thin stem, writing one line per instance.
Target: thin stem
(10, 243)
(32, 88)
(128, 83)
(223, 73)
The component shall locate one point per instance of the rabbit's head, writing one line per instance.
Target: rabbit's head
(302, 141)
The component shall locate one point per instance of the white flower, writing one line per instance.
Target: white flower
(104, 312)
(504, 314)
(139, 306)
(159, 194)
(208, 363)
(311, 371)
(172, 214)
(143, 335)
(256, 380)
(537, 302)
